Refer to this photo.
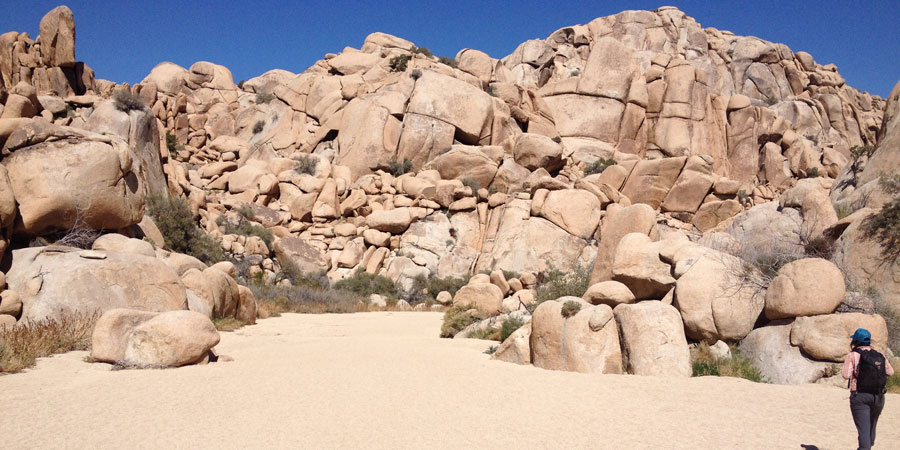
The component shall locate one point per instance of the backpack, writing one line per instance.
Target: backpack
(871, 375)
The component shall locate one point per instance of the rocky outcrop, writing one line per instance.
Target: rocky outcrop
(653, 341)
(586, 342)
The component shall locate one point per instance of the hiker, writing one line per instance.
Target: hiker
(867, 371)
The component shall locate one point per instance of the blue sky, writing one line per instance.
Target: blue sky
(123, 40)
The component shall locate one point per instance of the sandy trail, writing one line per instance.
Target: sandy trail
(385, 381)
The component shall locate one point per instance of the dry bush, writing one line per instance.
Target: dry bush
(884, 226)
(228, 324)
(175, 221)
(306, 164)
(555, 284)
(510, 325)
(598, 166)
(457, 318)
(274, 300)
(126, 101)
(80, 235)
(22, 344)
(704, 364)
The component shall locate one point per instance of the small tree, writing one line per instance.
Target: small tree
(884, 226)
(398, 63)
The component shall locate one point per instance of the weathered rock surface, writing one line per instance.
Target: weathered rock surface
(653, 341)
(587, 342)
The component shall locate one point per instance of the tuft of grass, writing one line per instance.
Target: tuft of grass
(570, 308)
(228, 324)
(398, 168)
(509, 327)
(599, 166)
(491, 350)
(705, 364)
(399, 63)
(171, 141)
(22, 344)
(258, 126)
(175, 221)
(292, 272)
(264, 97)
(457, 318)
(127, 102)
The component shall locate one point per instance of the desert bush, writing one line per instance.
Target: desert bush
(421, 51)
(366, 284)
(126, 101)
(893, 381)
(812, 172)
(247, 228)
(457, 318)
(743, 197)
(291, 272)
(70, 111)
(891, 317)
(448, 61)
(264, 97)
(398, 168)
(272, 301)
(175, 221)
(258, 126)
(171, 141)
(509, 327)
(556, 284)
(487, 334)
(491, 350)
(227, 323)
(399, 63)
(599, 166)
(704, 363)
(435, 285)
(306, 164)
(884, 226)
(415, 74)
(240, 84)
(472, 184)
(22, 344)
(570, 308)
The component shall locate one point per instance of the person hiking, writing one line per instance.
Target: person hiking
(867, 372)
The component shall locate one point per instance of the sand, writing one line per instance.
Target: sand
(385, 381)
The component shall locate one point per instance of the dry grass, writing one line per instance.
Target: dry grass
(228, 324)
(704, 363)
(23, 344)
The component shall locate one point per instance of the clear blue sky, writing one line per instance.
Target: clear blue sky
(123, 40)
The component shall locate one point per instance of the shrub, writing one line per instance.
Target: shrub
(126, 101)
(556, 284)
(704, 363)
(22, 344)
(436, 285)
(448, 61)
(570, 308)
(171, 141)
(487, 334)
(417, 293)
(258, 126)
(272, 301)
(472, 184)
(247, 228)
(228, 324)
(891, 317)
(70, 111)
(175, 221)
(366, 284)
(491, 350)
(421, 51)
(398, 63)
(743, 197)
(458, 317)
(399, 168)
(598, 166)
(415, 74)
(812, 172)
(240, 84)
(292, 272)
(306, 164)
(80, 235)
(884, 226)
(509, 327)
(893, 381)
(264, 97)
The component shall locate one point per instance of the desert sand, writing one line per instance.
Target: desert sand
(386, 381)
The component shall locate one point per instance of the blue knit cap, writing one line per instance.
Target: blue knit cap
(862, 335)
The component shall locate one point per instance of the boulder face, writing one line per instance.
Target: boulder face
(653, 340)
(59, 281)
(619, 222)
(827, 337)
(85, 177)
(587, 342)
(805, 287)
(770, 351)
(484, 297)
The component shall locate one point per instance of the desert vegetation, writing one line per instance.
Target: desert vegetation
(22, 344)
(705, 363)
(175, 221)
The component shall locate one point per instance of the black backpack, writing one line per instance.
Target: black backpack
(871, 374)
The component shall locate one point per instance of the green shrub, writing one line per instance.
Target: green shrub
(171, 141)
(450, 284)
(884, 226)
(487, 334)
(457, 318)
(126, 101)
(175, 221)
(292, 272)
(448, 61)
(398, 63)
(23, 343)
(366, 284)
(472, 184)
(421, 51)
(264, 97)
(812, 172)
(247, 228)
(227, 323)
(306, 164)
(893, 381)
(556, 284)
(240, 84)
(705, 364)
(399, 168)
(509, 327)
(599, 166)
(258, 126)
(70, 111)
(570, 308)
(415, 74)
(417, 293)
